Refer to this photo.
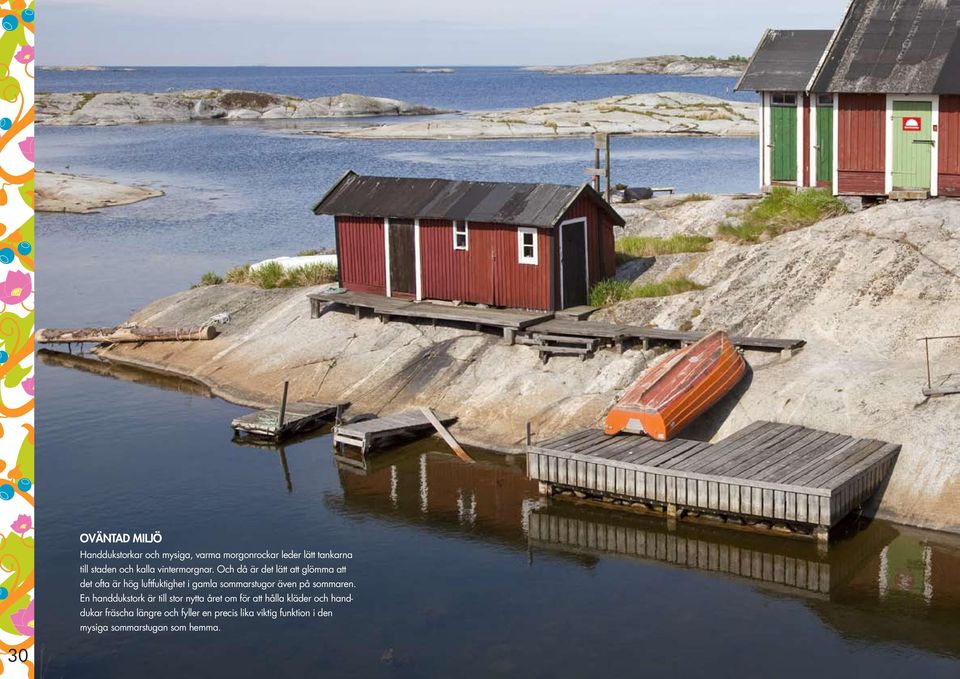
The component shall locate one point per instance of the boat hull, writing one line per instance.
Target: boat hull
(676, 391)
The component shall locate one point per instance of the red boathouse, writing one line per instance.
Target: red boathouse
(527, 246)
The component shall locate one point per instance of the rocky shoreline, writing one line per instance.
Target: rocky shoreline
(64, 192)
(124, 108)
(664, 113)
(668, 64)
(859, 288)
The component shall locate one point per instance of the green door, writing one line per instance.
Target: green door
(825, 139)
(912, 144)
(783, 138)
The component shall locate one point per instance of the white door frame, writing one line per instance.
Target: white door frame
(764, 115)
(418, 286)
(801, 133)
(586, 256)
(812, 141)
(418, 294)
(386, 250)
(934, 100)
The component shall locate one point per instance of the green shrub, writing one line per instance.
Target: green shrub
(308, 253)
(650, 246)
(780, 211)
(611, 291)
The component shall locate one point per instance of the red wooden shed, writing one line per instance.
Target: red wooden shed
(527, 246)
(871, 109)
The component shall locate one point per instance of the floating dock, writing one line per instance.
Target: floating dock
(766, 474)
(565, 333)
(369, 434)
(299, 418)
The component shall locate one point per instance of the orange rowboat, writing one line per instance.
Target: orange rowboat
(677, 390)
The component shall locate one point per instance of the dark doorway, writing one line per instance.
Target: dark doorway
(403, 258)
(573, 264)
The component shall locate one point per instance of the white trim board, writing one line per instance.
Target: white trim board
(836, 144)
(386, 250)
(418, 286)
(801, 134)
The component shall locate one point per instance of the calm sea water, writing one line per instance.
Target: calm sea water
(458, 570)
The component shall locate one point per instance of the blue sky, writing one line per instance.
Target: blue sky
(406, 32)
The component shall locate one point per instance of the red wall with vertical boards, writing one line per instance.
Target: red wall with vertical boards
(360, 250)
(488, 272)
(861, 152)
(949, 142)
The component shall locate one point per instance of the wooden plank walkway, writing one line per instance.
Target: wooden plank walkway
(778, 473)
(513, 321)
(299, 418)
(622, 335)
(367, 434)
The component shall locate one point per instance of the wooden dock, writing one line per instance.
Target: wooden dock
(368, 434)
(299, 418)
(767, 474)
(563, 330)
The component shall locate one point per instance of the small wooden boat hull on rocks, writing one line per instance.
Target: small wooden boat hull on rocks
(679, 389)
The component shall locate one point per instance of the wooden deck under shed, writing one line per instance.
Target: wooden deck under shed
(515, 322)
(769, 472)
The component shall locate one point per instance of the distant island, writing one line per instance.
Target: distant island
(431, 69)
(650, 114)
(668, 64)
(121, 108)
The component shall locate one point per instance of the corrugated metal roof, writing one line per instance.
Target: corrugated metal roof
(495, 202)
(895, 46)
(784, 61)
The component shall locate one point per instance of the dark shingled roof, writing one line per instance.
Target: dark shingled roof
(784, 61)
(898, 46)
(494, 202)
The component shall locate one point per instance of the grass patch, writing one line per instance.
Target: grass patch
(210, 278)
(273, 275)
(694, 198)
(780, 211)
(611, 291)
(308, 253)
(650, 246)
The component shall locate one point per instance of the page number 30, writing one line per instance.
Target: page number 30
(18, 655)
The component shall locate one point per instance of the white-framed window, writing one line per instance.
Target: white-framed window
(825, 100)
(783, 99)
(461, 239)
(527, 246)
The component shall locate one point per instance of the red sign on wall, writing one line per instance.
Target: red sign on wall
(912, 124)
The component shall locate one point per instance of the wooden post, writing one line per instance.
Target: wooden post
(283, 407)
(529, 434)
(446, 435)
(606, 146)
(596, 162)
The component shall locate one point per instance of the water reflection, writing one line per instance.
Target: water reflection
(877, 581)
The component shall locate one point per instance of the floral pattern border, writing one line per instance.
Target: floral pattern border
(17, 253)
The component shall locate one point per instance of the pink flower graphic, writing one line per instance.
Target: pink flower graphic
(23, 620)
(16, 288)
(26, 146)
(25, 55)
(27, 385)
(22, 524)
